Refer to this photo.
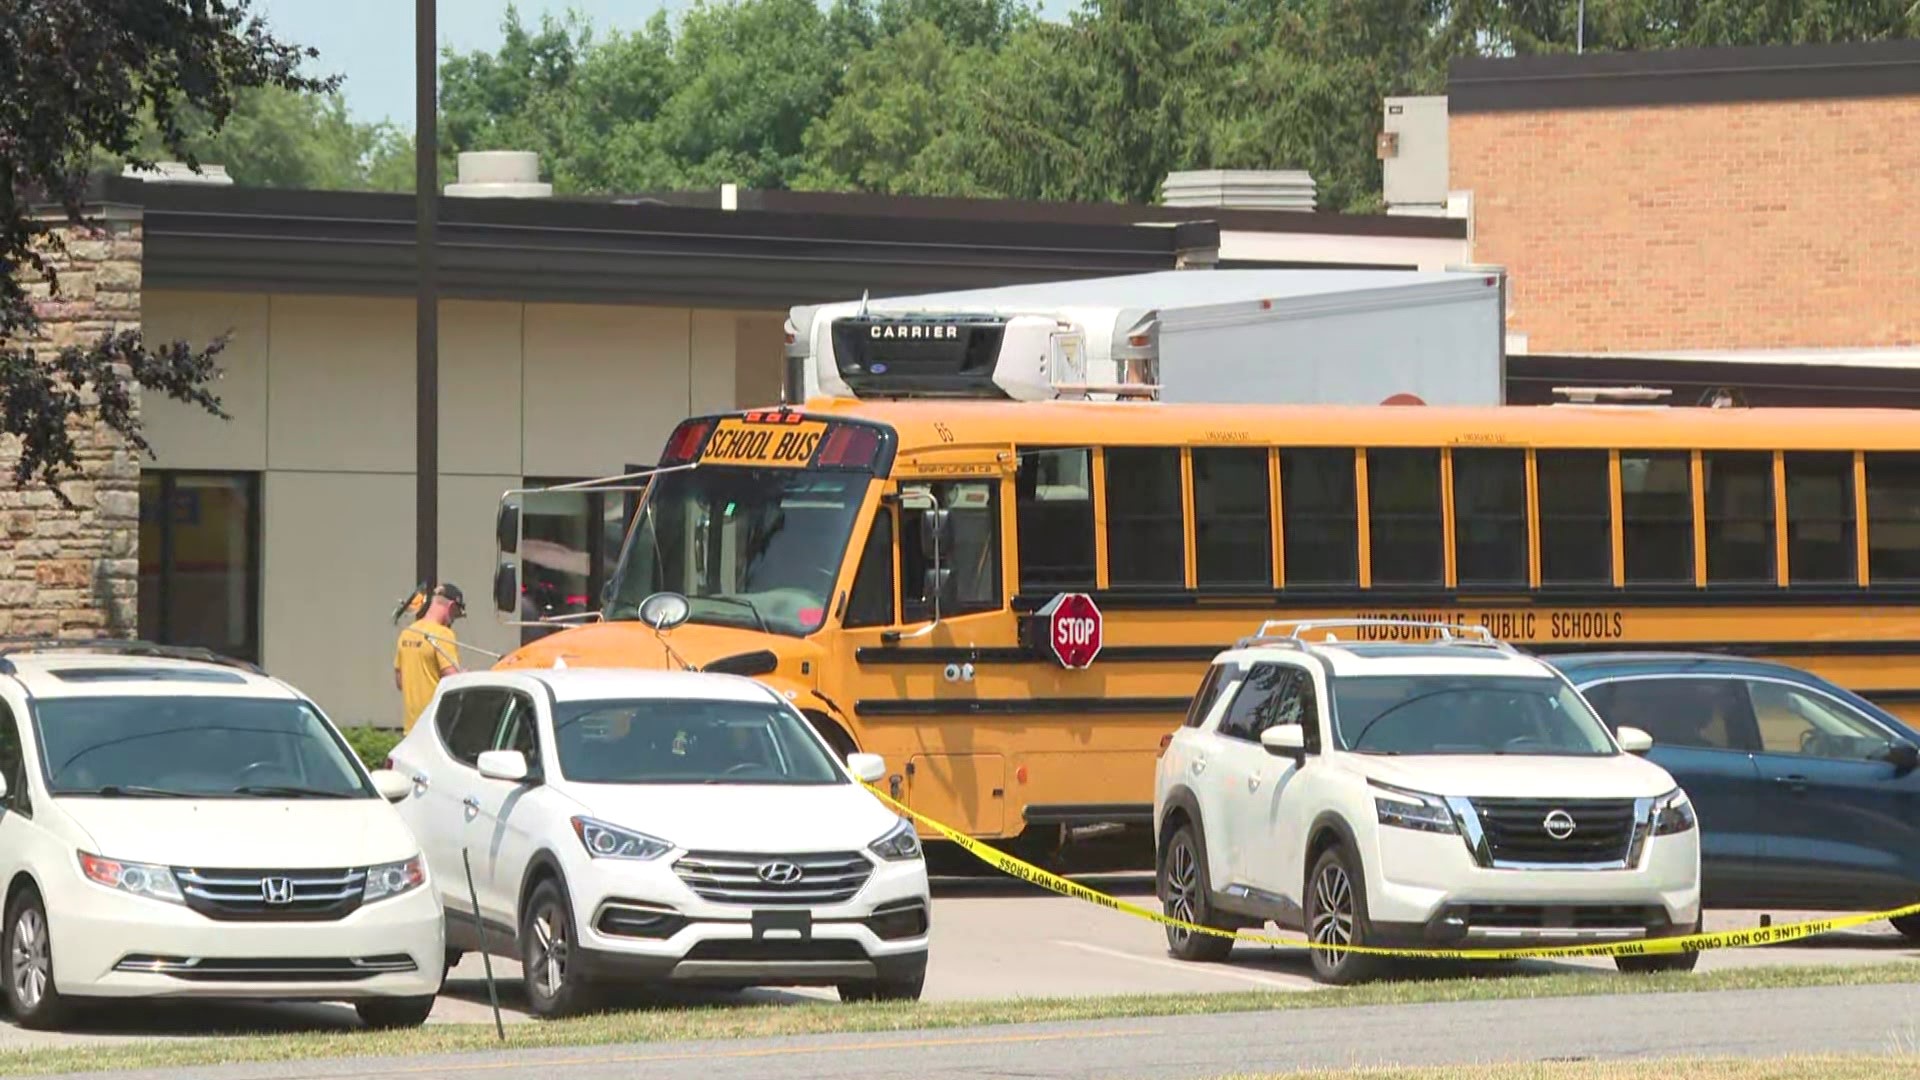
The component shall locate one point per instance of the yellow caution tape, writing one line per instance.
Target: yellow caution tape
(1725, 939)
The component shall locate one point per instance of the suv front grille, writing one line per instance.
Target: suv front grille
(735, 878)
(272, 895)
(1515, 830)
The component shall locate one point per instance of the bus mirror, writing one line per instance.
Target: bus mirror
(506, 529)
(665, 610)
(942, 591)
(936, 536)
(506, 588)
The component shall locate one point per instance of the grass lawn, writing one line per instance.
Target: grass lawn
(1890, 1067)
(652, 1025)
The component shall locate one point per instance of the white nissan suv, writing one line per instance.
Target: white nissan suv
(630, 825)
(176, 824)
(1451, 794)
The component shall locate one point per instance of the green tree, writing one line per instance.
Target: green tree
(277, 137)
(76, 77)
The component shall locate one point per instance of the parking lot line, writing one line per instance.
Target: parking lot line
(1186, 968)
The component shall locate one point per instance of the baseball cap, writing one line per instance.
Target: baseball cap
(453, 595)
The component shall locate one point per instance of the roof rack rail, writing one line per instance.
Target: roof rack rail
(10, 647)
(1296, 638)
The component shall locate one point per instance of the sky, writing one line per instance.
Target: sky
(371, 41)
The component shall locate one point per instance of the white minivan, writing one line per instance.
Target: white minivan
(176, 824)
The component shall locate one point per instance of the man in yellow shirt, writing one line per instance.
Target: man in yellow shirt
(428, 650)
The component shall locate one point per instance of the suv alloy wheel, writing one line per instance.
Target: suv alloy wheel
(28, 965)
(1184, 893)
(1336, 916)
(547, 940)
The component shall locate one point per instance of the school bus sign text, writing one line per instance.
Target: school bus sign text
(1529, 624)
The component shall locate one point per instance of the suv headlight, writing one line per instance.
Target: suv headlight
(1673, 813)
(140, 879)
(391, 879)
(899, 844)
(1415, 810)
(604, 841)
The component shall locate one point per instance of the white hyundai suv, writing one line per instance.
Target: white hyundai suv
(629, 825)
(176, 824)
(1451, 794)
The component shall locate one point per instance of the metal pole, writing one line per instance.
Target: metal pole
(426, 183)
(1580, 29)
(486, 958)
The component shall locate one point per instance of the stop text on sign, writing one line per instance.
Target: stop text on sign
(1074, 629)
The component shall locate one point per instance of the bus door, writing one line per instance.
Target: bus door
(917, 682)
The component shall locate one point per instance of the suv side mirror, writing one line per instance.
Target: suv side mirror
(867, 768)
(508, 765)
(1901, 754)
(1285, 740)
(392, 786)
(1633, 740)
(3, 786)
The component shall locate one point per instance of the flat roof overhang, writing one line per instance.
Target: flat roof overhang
(556, 250)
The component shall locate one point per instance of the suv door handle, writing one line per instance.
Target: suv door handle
(1253, 781)
(1796, 783)
(472, 802)
(1199, 766)
(420, 780)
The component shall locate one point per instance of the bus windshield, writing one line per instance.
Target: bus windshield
(756, 548)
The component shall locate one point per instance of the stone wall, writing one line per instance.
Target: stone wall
(73, 571)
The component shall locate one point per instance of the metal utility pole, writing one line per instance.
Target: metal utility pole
(1580, 29)
(426, 183)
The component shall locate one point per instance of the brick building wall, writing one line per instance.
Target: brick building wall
(73, 571)
(1761, 222)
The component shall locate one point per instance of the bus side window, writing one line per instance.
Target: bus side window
(1320, 515)
(1053, 508)
(1656, 516)
(1893, 517)
(1576, 517)
(1490, 516)
(1403, 510)
(870, 602)
(1820, 527)
(1232, 518)
(974, 557)
(1739, 507)
(1146, 523)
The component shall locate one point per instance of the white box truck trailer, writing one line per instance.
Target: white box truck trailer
(1348, 337)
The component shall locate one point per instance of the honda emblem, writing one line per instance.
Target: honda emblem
(277, 890)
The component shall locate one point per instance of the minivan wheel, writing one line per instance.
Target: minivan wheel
(1185, 894)
(547, 943)
(26, 964)
(1336, 911)
(388, 1013)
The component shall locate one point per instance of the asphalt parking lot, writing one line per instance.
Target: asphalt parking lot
(993, 938)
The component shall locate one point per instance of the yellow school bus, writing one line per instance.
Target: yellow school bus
(885, 564)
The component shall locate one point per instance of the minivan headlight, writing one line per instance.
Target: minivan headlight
(899, 844)
(391, 879)
(140, 879)
(1415, 810)
(604, 841)
(1673, 813)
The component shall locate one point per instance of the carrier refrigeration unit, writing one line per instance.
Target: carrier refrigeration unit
(1348, 337)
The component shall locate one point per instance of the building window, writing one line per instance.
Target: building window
(1053, 507)
(1656, 516)
(1893, 518)
(570, 543)
(1232, 518)
(1576, 517)
(200, 560)
(1820, 538)
(1146, 526)
(1739, 503)
(1403, 511)
(1490, 517)
(1320, 516)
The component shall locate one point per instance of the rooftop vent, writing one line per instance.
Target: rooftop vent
(500, 174)
(178, 172)
(1242, 189)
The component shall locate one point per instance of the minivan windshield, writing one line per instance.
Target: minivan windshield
(193, 748)
(671, 741)
(1453, 714)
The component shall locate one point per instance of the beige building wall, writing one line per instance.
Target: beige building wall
(321, 392)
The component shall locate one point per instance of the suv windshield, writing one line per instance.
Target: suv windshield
(664, 741)
(1455, 714)
(193, 747)
(758, 548)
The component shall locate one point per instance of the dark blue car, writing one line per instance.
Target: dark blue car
(1807, 794)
